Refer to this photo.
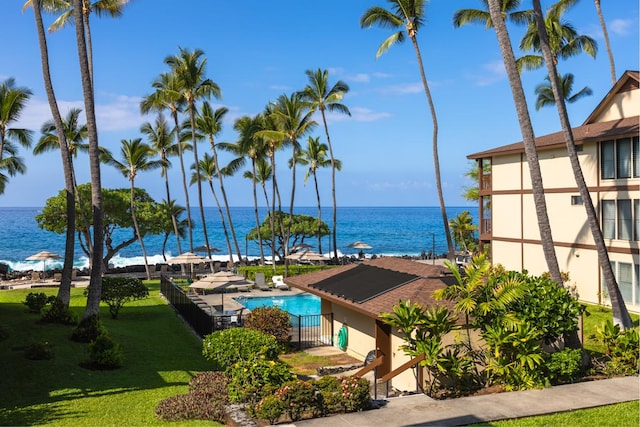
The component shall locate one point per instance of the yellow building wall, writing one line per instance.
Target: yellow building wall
(360, 331)
(508, 254)
(626, 104)
(505, 173)
(505, 216)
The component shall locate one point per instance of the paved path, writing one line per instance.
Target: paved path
(420, 410)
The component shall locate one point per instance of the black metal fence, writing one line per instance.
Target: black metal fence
(314, 330)
(193, 313)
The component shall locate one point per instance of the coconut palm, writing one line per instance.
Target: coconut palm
(315, 156)
(293, 121)
(528, 138)
(189, 69)
(136, 157)
(323, 98)
(605, 33)
(564, 40)
(481, 16)
(545, 91)
(409, 14)
(173, 213)
(64, 291)
(112, 8)
(620, 313)
(95, 283)
(161, 139)
(260, 174)
(207, 171)
(13, 100)
(209, 123)
(10, 165)
(167, 96)
(462, 228)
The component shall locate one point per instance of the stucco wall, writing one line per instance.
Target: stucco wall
(626, 104)
(505, 173)
(360, 330)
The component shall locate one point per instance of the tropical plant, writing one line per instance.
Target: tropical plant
(323, 98)
(463, 231)
(117, 291)
(11, 165)
(13, 100)
(410, 15)
(173, 224)
(545, 91)
(136, 157)
(482, 16)
(550, 52)
(189, 69)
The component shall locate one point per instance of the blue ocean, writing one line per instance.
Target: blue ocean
(388, 230)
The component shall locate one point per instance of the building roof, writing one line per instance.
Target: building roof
(375, 286)
(589, 131)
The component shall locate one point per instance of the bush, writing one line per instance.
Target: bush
(356, 395)
(564, 365)
(271, 321)
(211, 383)
(37, 301)
(88, 329)
(226, 347)
(330, 395)
(116, 291)
(621, 356)
(251, 380)
(39, 351)
(104, 353)
(59, 313)
(269, 408)
(191, 406)
(299, 397)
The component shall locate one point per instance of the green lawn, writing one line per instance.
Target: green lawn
(160, 353)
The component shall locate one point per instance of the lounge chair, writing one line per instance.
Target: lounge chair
(278, 283)
(260, 282)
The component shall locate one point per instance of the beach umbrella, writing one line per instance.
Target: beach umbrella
(299, 246)
(307, 255)
(359, 245)
(43, 256)
(221, 279)
(188, 258)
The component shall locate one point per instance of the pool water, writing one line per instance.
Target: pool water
(300, 305)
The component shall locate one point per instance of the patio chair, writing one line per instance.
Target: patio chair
(260, 282)
(278, 283)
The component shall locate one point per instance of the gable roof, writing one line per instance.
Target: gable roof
(375, 286)
(589, 131)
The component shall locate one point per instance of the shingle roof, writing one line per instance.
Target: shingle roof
(340, 284)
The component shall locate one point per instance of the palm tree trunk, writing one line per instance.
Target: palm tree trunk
(224, 226)
(64, 292)
(255, 210)
(528, 138)
(95, 283)
(315, 181)
(333, 189)
(173, 217)
(184, 180)
(274, 186)
(198, 182)
(293, 196)
(612, 65)
(436, 160)
(620, 314)
(137, 230)
(86, 11)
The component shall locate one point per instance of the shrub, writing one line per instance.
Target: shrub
(330, 395)
(191, 406)
(269, 408)
(88, 329)
(356, 395)
(271, 321)
(621, 356)
(104, 353)
(251, 380)
(39, 351)
(59, 313)
(211, 383)
(299, 397)
(226, 347)
(564, 365)
(37, 301)
(116, 291)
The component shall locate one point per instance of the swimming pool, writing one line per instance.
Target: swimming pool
(300, 305)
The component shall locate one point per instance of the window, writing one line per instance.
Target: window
(609, 219)
(576, 200)
(620, 219)
(637, 287)
(625, 281)
(620, 159)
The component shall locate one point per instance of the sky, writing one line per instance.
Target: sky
(258, 50)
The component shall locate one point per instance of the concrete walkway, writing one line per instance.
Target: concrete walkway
(420, 410)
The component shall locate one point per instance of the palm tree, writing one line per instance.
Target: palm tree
(293, 121)
(13, 100)
(64, 291)
(462, 228)
(528, 138)
(564, 41)
(11, 165)
(545, 91)
(410, 15)
(173, 213)
(112, 8)
(620, 313)
(189, 70)
(167, 96)
(207, 171)
(95, 283)
(136, 157)
(260, 174)
(209, 122)
(161, 138)
(605, 33)
(315, 156)
(481, 16)
(324, 98)
(251, 147)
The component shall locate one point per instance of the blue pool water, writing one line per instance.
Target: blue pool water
(301, 305)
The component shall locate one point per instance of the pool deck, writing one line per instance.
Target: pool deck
(227, 298)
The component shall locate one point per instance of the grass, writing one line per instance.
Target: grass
(595, 318)
(59, 392)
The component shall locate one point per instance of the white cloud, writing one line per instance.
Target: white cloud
(402, 89)
(359, 114)
(492, 72)
(620, 26)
